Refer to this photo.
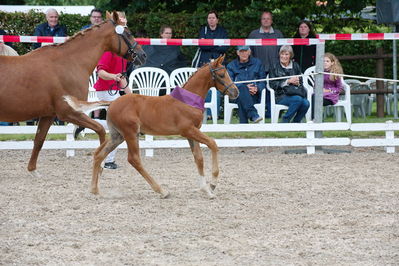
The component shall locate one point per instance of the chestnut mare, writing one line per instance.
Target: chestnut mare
(132, 114)
(37, 84)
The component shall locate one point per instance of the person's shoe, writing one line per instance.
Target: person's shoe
(111, 165)
(256, 119)
(77, 131)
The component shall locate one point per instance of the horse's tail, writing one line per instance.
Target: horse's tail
(84, 106)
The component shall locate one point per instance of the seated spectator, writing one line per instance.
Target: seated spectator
(244, 68)
(50, 28)
(6, 50)
(166, 57)
(290, 91)
(305, 55)
(96, 17)
(332, 83)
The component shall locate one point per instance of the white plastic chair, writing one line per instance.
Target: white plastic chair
(180, 75)
(92, 97)
(371, 84)
(260, 108)
(345, 102)
(149, 79)
(275, 109)
(359, 101)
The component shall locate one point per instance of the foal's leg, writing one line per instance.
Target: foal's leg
(41, 133)
(199, 161)
(101, 152)
(134, 159)
(197, 135)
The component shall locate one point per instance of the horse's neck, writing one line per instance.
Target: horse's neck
(86, 49)
(200, 83)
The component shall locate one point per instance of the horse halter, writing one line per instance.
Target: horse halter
(120, 30)
(217, 78)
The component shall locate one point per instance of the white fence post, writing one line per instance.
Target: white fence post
(310, 134)
(390, 135)
(149, 152)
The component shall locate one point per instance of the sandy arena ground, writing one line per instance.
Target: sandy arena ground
(271, 209)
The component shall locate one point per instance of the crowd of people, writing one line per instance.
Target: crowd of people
(252, 63)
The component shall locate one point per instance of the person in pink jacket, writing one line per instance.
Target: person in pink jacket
(332, 83)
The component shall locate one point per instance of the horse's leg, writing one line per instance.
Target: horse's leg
(199, 161)
(83, 120)
(135, 160)
(101, 152)
(41, 133)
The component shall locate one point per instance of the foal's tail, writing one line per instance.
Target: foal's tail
(84, 106)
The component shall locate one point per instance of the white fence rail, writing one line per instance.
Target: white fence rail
(310, 141)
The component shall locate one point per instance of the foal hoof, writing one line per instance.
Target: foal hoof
(34, 173)
(212, 186)
(208, 192)
(165, 195)
(95, 191)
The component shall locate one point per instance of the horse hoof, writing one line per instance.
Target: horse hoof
(208, 192)
(34, 173)
(94, 191)
(212, 186)
(165, 195)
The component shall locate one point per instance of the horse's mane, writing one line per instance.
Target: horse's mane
(79, 33)
(195, 73)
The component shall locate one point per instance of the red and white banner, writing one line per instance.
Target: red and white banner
(221, 42)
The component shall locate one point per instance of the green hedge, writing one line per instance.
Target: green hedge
(238, 24)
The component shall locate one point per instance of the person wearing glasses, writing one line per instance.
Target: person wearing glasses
(96, 17)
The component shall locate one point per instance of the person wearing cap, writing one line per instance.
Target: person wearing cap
(244, 68)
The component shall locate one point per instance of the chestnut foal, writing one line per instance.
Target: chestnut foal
(179, 113)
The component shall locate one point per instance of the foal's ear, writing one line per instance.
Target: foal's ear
(220, 59)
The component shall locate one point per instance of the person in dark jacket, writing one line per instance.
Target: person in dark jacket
(166, 57)
(96, 17)
(206, 53)
(50, 28)
(244, 68)
(305, 55)
(290, 91)
(211, 31)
